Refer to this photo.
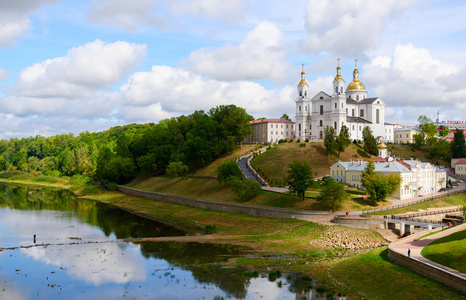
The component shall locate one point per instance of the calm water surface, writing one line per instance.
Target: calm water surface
(79, 254)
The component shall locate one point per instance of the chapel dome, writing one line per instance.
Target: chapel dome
(356, 85)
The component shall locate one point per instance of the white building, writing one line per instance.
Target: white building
(270, 131)
(350, 107)
(417, 178)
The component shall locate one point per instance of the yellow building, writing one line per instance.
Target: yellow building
(405, 135)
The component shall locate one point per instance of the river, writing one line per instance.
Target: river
(55, 246)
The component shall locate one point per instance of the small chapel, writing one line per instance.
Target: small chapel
(348, 106)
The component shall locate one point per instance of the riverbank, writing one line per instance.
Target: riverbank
(291, 245)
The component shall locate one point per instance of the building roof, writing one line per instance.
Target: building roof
(389, 167)
(350, 119)
(270, 121)
(363, 101)
(462, 161)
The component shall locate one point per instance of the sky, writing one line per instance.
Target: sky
(73, 66)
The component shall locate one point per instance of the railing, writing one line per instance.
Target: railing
(423, 214)
(415, 202)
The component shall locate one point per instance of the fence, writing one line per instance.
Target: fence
(423, 214)
(415, 202)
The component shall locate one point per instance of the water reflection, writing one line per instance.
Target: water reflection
(79, 254)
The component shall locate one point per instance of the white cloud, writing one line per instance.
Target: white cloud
(260, 56)
(349, 26)
(93, 66)
(14, 20)
(177, 91)
(416, 83)
(130, 15)
(3, 74)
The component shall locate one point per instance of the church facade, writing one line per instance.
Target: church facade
(347, 106)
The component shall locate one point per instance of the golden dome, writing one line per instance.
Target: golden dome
(382, 146)
(303, 82)
(338, 77)
(356, 85)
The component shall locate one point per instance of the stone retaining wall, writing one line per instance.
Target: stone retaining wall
(360, 223)
(428, 270)
(252, 210)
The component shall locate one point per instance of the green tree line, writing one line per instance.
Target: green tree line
(121, 153)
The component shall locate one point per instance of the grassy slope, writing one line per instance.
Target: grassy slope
(372, 275)
(453, 200)
(449, 251)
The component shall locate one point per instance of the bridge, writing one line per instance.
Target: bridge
(407, 226)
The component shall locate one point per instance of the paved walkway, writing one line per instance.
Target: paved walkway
(416, 247)
(243, 165)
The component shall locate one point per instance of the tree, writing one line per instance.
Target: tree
(285, 117)
(330, 142)
(379, 186)
(299, 177)
(370, 143)
(419, 140)
(228, 170)
(458, 146)
(177, 169)
(428, 128)
(244, 189)
(332, 195)
(343, 140)
(444, 132)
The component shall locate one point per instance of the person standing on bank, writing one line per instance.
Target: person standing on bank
(409, 252)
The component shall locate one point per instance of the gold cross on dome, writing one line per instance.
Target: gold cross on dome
(338, 61)
(356, 62)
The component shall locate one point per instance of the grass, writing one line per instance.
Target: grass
(449, 251)
(372, 275)
(453, 200)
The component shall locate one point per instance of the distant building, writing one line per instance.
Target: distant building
(405, 135)
(270, 131)
(460, 166)
(347, 106)
(417, 178)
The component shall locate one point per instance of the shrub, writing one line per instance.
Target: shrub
(79, 180)
(298, 141)
(47, 179)
(306, 140)
(274, 275)
(208, 229)
(228, 170)
(244, 189)
(302, 145)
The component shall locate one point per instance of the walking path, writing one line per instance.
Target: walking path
(411, 243)
(243, 165)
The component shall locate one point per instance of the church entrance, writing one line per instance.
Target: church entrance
(321, 135)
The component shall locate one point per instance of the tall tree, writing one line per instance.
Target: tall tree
(458, 146)
(343, 139)
(299, 177)
(428, 128)
(370, 143)
(285, 117)
(379, 186)
(330, 142)
(332, 195)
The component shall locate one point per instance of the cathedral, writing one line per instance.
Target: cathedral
(350, 107)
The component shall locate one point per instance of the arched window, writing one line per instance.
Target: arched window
(299, 108)
(321, 135)
(320, 123)
(305, 93)
(361, 113)
(335, 126)
(341, 105)
(357, 97)
(305, 107)
(335, 105)
(352, 112)
(299, 125)
(341, 90)
(377, 120)
(321, 109)
(336, 90)
(346, 111)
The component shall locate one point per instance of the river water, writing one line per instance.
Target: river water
(78, 253)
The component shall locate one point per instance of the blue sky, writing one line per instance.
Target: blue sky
(73, 66)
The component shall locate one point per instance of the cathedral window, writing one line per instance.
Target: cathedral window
(321, 98)
(377, 116)
(305, 93)
(335, 105)
(361, 113)
(299, 127)
(352, 112)
(341, 90)
(353, 127)
(300, 108)
(310, 126)
(320, 123)
(271, 126)
(321, 109)
(342, 105)
(346, 111)
(335, 125)
(336, 90)
(305, 107)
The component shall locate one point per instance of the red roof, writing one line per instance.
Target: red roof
(462, 161)
(270, 121)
